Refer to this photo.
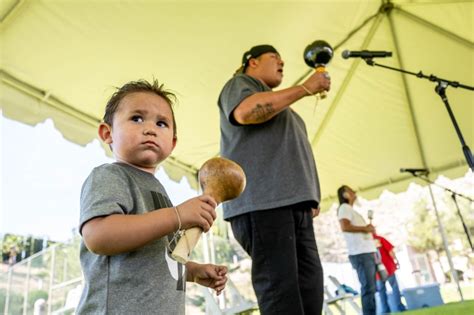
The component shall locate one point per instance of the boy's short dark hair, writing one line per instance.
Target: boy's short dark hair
(139, 86)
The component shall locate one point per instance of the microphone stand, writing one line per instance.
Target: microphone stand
(442, 232)
(440, 89)
(453, 195)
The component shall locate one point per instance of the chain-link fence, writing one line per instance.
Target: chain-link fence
(50, 282)
(41, 283)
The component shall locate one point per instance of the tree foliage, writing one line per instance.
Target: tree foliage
(424, 231)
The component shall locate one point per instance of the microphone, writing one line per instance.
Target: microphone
(370, 215)
(365, 54)
(414, 170)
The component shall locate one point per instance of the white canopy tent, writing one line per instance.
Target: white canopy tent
(61, 60)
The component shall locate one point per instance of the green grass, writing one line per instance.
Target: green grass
(452, 300)
(454, 308)
(450, 295)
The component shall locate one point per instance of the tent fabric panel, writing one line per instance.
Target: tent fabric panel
(433, 120)
(78, 52)
(454, 17)
(22, 107)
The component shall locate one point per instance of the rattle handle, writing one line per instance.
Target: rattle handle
(185, 245)
(188, 241)
(318, 69)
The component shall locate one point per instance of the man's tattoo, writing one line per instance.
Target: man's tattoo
(262, 112)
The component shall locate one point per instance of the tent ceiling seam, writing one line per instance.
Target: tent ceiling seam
(345, 83)
(407, 92)
(46, 98)
(336, 47)
(437, 28)
(334, 104)
(438, 2)
(9, 12)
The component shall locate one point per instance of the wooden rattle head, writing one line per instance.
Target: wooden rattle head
(221, 178)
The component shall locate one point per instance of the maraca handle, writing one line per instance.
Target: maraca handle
(185, 245)
(320, 69)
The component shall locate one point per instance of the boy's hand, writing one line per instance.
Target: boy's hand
(208, 275)
(198, 211)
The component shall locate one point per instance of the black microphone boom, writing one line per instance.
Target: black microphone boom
(414, 170)
(365, 54)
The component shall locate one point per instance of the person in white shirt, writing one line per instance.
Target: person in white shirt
(360, 245)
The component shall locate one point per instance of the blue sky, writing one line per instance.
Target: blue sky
(41, 179)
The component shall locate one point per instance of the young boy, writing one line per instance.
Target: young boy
(127, 222)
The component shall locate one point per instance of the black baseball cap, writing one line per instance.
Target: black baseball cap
(256, 51)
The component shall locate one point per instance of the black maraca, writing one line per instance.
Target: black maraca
(317, 55)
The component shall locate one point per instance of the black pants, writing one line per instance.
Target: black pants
(287, 275)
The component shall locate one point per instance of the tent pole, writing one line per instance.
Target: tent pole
(445, 244)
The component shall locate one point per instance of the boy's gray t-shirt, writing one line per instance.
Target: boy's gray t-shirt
(145, 281)
(276, 156)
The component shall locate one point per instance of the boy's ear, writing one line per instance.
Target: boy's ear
(105, 133)
(175, 140)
